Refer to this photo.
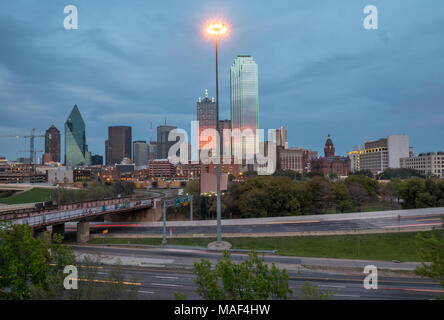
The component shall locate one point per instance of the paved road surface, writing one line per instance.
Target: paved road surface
(170, 270)
(380, 221)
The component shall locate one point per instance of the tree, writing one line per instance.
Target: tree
(343, 201)
(25, 260)
(366, 173)
(321, 193)
(251, 279)
(369, 184)
(358, 194)
(309, 292)
(32, 268)
(402, 173)
(431, 252)
(267, 197)
(193, 188)
(390, 191)
(288, 173)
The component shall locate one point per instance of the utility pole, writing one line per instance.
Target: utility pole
(191, 207)
(164, 241)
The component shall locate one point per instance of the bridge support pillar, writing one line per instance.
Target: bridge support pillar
(82, 231)
(59, 228)
(40, 232)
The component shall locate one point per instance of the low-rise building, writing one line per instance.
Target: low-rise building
(331, 163)
(22, 173)
(429, 164)
(60, 176)
(161, 168)
(295, 159)
(379, 155)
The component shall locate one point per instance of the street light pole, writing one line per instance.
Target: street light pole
(217, 29)
(218, 206)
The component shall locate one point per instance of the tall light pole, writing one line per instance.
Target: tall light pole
(217, 29)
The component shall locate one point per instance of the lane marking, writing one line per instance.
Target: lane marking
(147, 292)
(415, 225)
(166, 277)
(347, 295)
(428, 219)
(166, 284)
(109, 281)
(328, 286)
(116, 225)
(360, 280)
(291, 222)
(412, 289)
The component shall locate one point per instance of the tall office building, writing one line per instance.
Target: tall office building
(96, 160)
(225, 143)
(52, 145)
(281, 137)
(244, 103)
(163, 145)
(76, 149)
(378, 155)
(152, 150)
(118, 145)
(207, 117)
(140, 154)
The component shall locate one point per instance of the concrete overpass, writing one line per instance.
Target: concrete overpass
(83, 212)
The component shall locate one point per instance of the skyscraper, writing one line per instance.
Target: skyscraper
(140, 154)
(244, 103)
(52, 145)
(207, 117)
(96, 160)
(76, 149)
(163, 145)
(118, 145)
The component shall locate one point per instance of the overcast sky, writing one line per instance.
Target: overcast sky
(133, 62)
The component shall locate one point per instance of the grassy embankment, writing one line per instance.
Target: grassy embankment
(389, 246)
(33, 195)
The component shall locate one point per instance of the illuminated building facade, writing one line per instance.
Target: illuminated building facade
(244, 104)
(378, 155)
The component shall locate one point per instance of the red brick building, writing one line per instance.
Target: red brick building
(161, 168)
(331, 163)
(295, 159)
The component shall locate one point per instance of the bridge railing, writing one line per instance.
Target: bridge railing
(62, 216)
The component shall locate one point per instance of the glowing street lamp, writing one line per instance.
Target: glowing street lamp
(217, 29)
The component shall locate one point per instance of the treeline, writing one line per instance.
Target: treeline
(269, 196)
(279, 196)
(93, 191)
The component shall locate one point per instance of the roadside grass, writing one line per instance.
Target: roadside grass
(385, 247)
(33, 195)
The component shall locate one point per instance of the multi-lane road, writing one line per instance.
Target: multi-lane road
(164, 270)
(158, 273)
(384, 221)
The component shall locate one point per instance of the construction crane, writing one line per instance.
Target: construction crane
(32, 136)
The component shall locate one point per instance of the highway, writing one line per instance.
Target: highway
(158, 273)
(384, 221)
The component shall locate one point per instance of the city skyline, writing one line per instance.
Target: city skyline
(317, 86)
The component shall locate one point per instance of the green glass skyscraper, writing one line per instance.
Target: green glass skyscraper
(76, 150)
(244, 102)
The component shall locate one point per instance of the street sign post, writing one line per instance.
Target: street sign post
(175, 202)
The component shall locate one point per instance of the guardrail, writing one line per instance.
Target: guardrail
(63, 216)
